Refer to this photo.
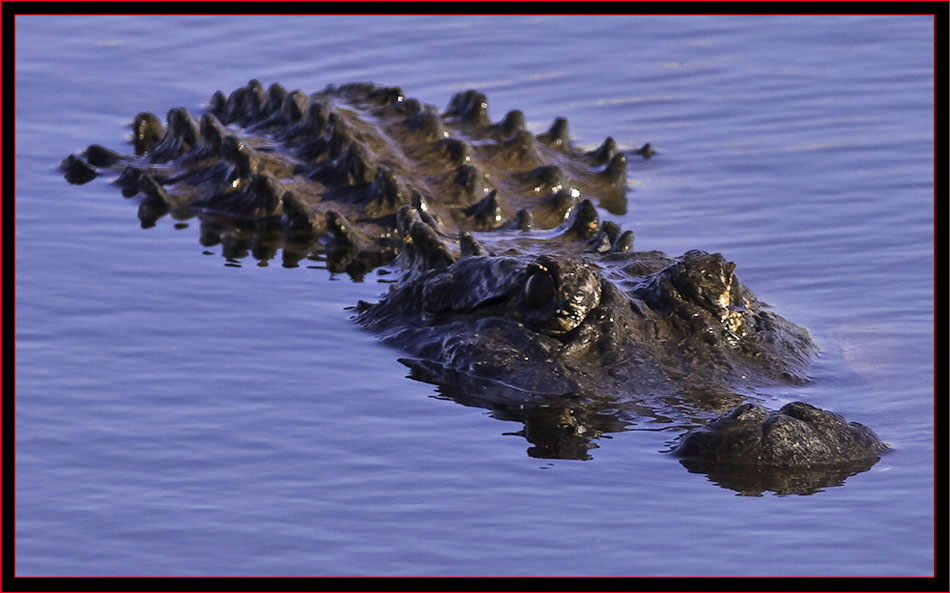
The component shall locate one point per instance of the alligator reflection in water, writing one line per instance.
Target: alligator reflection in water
(512, 294)
(568, 426)
(754, 481)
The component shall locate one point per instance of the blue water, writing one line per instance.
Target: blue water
(176, 415)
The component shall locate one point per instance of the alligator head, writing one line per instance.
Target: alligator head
(563, 318)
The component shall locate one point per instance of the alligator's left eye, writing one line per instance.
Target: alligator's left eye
(539, 290)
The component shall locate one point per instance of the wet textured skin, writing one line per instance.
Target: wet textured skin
(796, 449)
(513, 295)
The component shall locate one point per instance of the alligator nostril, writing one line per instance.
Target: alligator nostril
(539, 290)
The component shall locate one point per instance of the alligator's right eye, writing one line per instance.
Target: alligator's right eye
(539, 290)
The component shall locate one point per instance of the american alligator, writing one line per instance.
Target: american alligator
(513, 294)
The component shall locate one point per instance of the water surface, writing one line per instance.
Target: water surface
(180, 413)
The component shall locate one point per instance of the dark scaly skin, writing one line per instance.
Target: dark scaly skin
(797, 449)
(513, 295)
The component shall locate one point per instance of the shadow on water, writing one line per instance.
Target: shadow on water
(260, 239)
(749, 481)
(264, 242)
(568, 427)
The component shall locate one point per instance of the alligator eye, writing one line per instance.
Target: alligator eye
(539, 289)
